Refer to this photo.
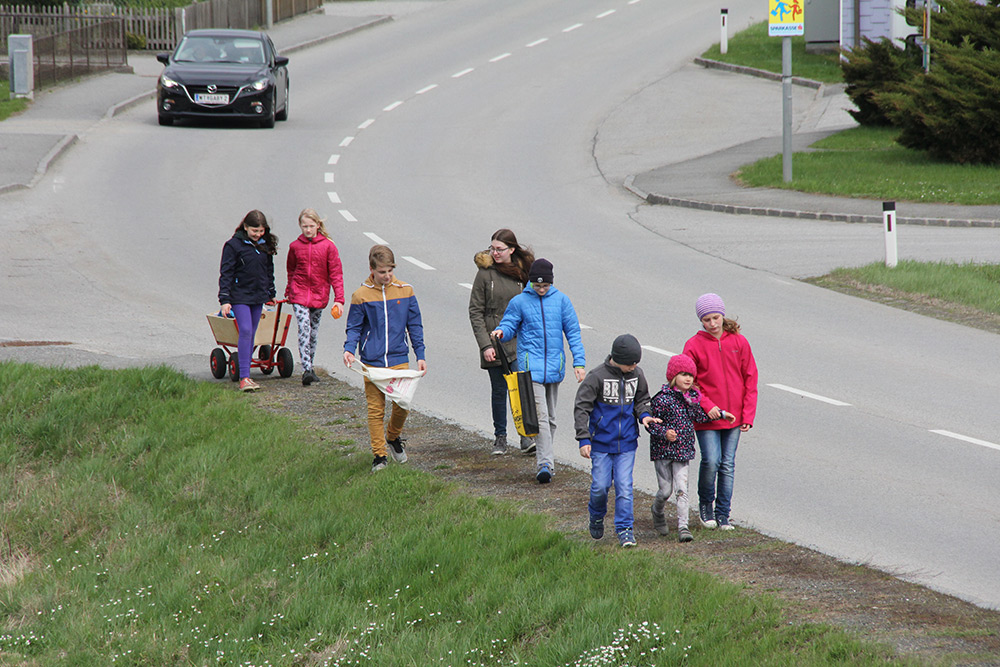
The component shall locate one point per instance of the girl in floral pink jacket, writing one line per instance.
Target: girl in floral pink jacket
(313, 268)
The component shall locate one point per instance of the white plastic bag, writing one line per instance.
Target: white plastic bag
(398, 385)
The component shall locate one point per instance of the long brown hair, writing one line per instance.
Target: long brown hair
(521, 257)
(257, 219)
(730, 326)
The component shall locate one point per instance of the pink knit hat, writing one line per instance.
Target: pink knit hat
(709, 303)
(680, 363)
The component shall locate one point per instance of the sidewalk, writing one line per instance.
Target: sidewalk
(59, 116)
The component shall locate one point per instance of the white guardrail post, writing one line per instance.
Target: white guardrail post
(889, 226)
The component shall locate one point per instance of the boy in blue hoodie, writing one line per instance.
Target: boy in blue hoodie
(384, 319)
(609, 402)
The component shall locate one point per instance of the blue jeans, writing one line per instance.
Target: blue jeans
(498, 398)
(605, 469)
(718, 468)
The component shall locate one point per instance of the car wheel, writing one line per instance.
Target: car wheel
(283, 114)
(268, 122)
(164, 120)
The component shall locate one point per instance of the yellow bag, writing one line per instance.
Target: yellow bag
(522, 395)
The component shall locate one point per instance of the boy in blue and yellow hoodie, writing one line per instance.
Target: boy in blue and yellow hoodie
(609, 402)
(383, 313)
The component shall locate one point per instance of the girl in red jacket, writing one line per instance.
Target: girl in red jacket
(313, 268)
(727, 375)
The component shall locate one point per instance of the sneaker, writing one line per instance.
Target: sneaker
(544, 475)
(308, 378)
(597, 528)
(724, 524)
(379, 463)
(246, 384)
(397, 449)
(500, 445)
(659, 522)
(626, 538)
(705, 514)
(684, 535)
(527, 445)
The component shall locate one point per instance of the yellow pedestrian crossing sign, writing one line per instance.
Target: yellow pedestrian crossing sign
(785, 18)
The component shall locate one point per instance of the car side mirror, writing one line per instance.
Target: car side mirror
(163, 58)
(280, 61)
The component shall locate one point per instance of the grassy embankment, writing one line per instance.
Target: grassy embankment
(9, 107)
(153, 520)
(867, 162)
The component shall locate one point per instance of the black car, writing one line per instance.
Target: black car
(223, 73)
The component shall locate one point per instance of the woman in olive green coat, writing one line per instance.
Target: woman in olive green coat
(503, 273)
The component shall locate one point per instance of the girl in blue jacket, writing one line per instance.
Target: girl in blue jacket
(540, 316)
(246, 283)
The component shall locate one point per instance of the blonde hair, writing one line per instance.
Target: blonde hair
(311, 214)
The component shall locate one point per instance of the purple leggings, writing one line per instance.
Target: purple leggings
(247, 319)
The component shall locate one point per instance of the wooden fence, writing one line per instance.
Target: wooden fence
(160, 27)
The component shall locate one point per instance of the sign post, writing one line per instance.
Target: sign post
(786, 18)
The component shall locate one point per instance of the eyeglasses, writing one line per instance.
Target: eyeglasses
(497, 251)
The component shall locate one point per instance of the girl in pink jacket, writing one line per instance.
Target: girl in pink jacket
(727, 375)
(313, 268)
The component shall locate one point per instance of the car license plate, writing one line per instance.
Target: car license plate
(205, 98)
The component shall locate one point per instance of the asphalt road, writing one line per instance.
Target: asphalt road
(460, 117)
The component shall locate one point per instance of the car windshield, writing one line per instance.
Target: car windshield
(220, 50)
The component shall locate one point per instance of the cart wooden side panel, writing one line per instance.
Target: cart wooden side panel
(225, 332)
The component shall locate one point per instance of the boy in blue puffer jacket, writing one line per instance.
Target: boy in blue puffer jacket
(608, 404)
(540, 316)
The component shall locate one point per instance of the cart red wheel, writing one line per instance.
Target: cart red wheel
(285, 362)
(217, 361)
(264, 352)
(234, 366)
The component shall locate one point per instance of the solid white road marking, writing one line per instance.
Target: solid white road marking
(607, 13)
(366, 124)
(500, 57)
(806, 394)
(965, 438)
(573, 27)
(427, 89)
(347, 216)
(393, 105)
(328, 177)
(657, 350)
(376, 238)
(537, 42)
(334, 198)
(347, 141)
(334, 159)
(462, 73)
(416, 262)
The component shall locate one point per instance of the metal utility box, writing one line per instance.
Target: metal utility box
(822, 25)
(21, 56)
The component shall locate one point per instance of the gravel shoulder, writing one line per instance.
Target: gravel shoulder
(921, 625)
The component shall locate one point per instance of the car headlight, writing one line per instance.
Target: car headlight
(260, 84)
(167, 82)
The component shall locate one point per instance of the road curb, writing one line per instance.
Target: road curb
(343, 33)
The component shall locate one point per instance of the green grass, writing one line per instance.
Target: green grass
(866, 162)
(967, 284)
(753, 47)
(153, 520)
(9, 107)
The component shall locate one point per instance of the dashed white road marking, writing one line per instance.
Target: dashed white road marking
(427, 89)
(366, 124)
(632, 2)
(392, 106)
(605, 14)
(496, 59)
(657, 350)
(466, 285)
(375, 238)
(328, 177)
(463, 72)
(347, 141)
(537, 42)
(806, 394)
(334, 198)
(334, 159)
(584, 326)
(347, 216)
(416, 262)
(573, 27)
(965, 438)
